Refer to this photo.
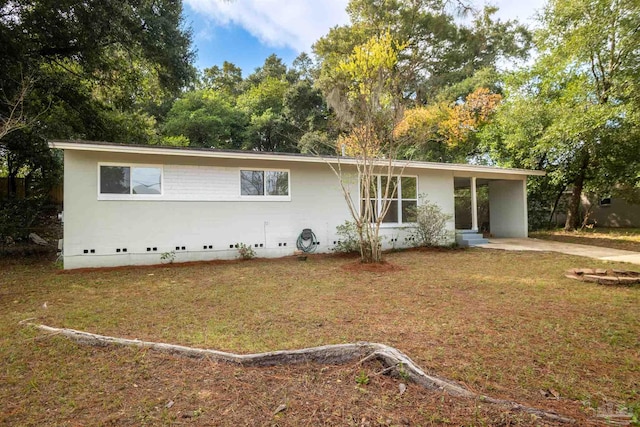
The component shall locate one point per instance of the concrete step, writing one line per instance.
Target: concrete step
(475, 242)
(470, 238)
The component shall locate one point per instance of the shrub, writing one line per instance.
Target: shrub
(245, 251)
(17, 217)
(431, 225)
(348, 240)
(168, 257)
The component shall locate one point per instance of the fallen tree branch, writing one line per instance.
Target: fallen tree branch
(391, 358)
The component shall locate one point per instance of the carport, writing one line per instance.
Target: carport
(490, 205)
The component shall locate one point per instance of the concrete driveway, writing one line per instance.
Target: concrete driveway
(596, 252)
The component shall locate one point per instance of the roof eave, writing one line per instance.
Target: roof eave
(250, 155)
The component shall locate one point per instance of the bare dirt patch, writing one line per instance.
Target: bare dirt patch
(377, 267)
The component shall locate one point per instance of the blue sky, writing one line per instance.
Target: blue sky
(217, 43)
(245, 32)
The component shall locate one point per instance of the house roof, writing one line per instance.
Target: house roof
(109, 147)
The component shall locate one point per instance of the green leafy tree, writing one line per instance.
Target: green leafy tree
(227, 79)
(306, 111)
(303, 68)
(575, 113)
(439, 50)
(206, 118)
(272, 68)
(274, 109)
(96, 69)
(263, 104)
(444, 60)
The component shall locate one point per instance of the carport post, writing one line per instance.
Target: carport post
(474, 205)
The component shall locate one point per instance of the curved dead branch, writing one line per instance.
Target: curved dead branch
(393, 360)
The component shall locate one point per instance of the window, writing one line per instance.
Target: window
(402, 198)
(264, 183)
(130, 180)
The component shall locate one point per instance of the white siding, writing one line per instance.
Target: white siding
(183, 182)
(201, 207)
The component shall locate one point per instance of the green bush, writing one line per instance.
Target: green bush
(245, 251)
(431, 225)
(348, 239)
(17, 217)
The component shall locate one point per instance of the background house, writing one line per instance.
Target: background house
(615, 211)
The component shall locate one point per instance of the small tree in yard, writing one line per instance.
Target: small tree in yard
(363, 92)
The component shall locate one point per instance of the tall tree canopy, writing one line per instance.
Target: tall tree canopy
(441, 58)
(206, 118)
(439, 50)
(96, 69)
(575, 113)
(275, 108)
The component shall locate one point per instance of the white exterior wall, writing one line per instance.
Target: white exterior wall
(201, 206)
(508, 208)
(437, 187)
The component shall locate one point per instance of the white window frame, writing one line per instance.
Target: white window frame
(130, 196)
(379, 195)
(265, 197)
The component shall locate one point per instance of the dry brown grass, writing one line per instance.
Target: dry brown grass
(616, 238)
(506, 324)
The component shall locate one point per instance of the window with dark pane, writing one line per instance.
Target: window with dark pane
(392, 213)
(115, 180)
(277, 183)
(252, 183)
(409, 211)
(392, 191)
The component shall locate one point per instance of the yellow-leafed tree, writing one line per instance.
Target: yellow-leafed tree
(363, 91)
(446, 127)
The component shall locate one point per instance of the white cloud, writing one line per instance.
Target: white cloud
(293, 23)
(522, 11)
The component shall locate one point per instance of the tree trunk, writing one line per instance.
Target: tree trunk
(573, 212)
(27, 185)
(555, 207)
(12, 182)
(391, 358)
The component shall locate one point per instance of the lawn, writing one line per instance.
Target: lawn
(505, 324)
(616, 238)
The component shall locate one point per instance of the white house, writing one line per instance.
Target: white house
(130, 204)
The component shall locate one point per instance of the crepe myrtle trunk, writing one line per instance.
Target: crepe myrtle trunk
(370, 249)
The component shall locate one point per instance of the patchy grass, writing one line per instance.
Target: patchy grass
(506, 324)
(616, 238)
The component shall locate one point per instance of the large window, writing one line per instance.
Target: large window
(130, 180)
(264, 183)
(402, 198)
